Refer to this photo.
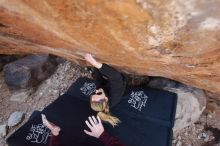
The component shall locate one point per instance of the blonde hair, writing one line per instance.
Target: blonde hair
(102, 107)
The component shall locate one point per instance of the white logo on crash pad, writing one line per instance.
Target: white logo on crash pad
(88, 88)
(138, 99)
(38, 134)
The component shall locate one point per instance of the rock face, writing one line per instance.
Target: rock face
(171, 38)
(191, 101)
(29, 71)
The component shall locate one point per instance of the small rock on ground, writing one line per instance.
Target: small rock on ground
(15, 118)
(3, 130)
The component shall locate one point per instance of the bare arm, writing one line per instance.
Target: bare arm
(92, 61)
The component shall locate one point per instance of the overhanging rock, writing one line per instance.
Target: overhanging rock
(170, 38)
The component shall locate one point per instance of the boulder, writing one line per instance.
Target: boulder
(29, 71)
(176, 39)
(191, 101)
(15, 118)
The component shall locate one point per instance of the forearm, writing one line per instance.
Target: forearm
(98, 65)
(92, 60)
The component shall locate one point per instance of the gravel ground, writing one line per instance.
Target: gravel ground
(206, 132)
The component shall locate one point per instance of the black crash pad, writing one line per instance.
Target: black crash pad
(147, 117)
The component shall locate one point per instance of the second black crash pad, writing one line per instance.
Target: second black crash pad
(147, 117)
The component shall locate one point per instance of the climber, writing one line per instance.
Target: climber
(111, 87)
(95, 126)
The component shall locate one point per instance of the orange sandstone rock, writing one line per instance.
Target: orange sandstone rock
(176, 39)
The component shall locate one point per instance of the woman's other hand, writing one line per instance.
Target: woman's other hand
(88, 57)
(95, 126)
(55, 130)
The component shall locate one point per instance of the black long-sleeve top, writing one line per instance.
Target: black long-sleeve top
(116, 84)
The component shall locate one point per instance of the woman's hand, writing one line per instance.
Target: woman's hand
(95, 127)
(55, 130)
(99, 95)
(88, 57)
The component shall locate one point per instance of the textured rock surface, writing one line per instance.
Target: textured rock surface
(191, 101)
(15, 118)
(29, 71)
(171, 38)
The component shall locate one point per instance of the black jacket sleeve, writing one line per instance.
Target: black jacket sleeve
(117, 84)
